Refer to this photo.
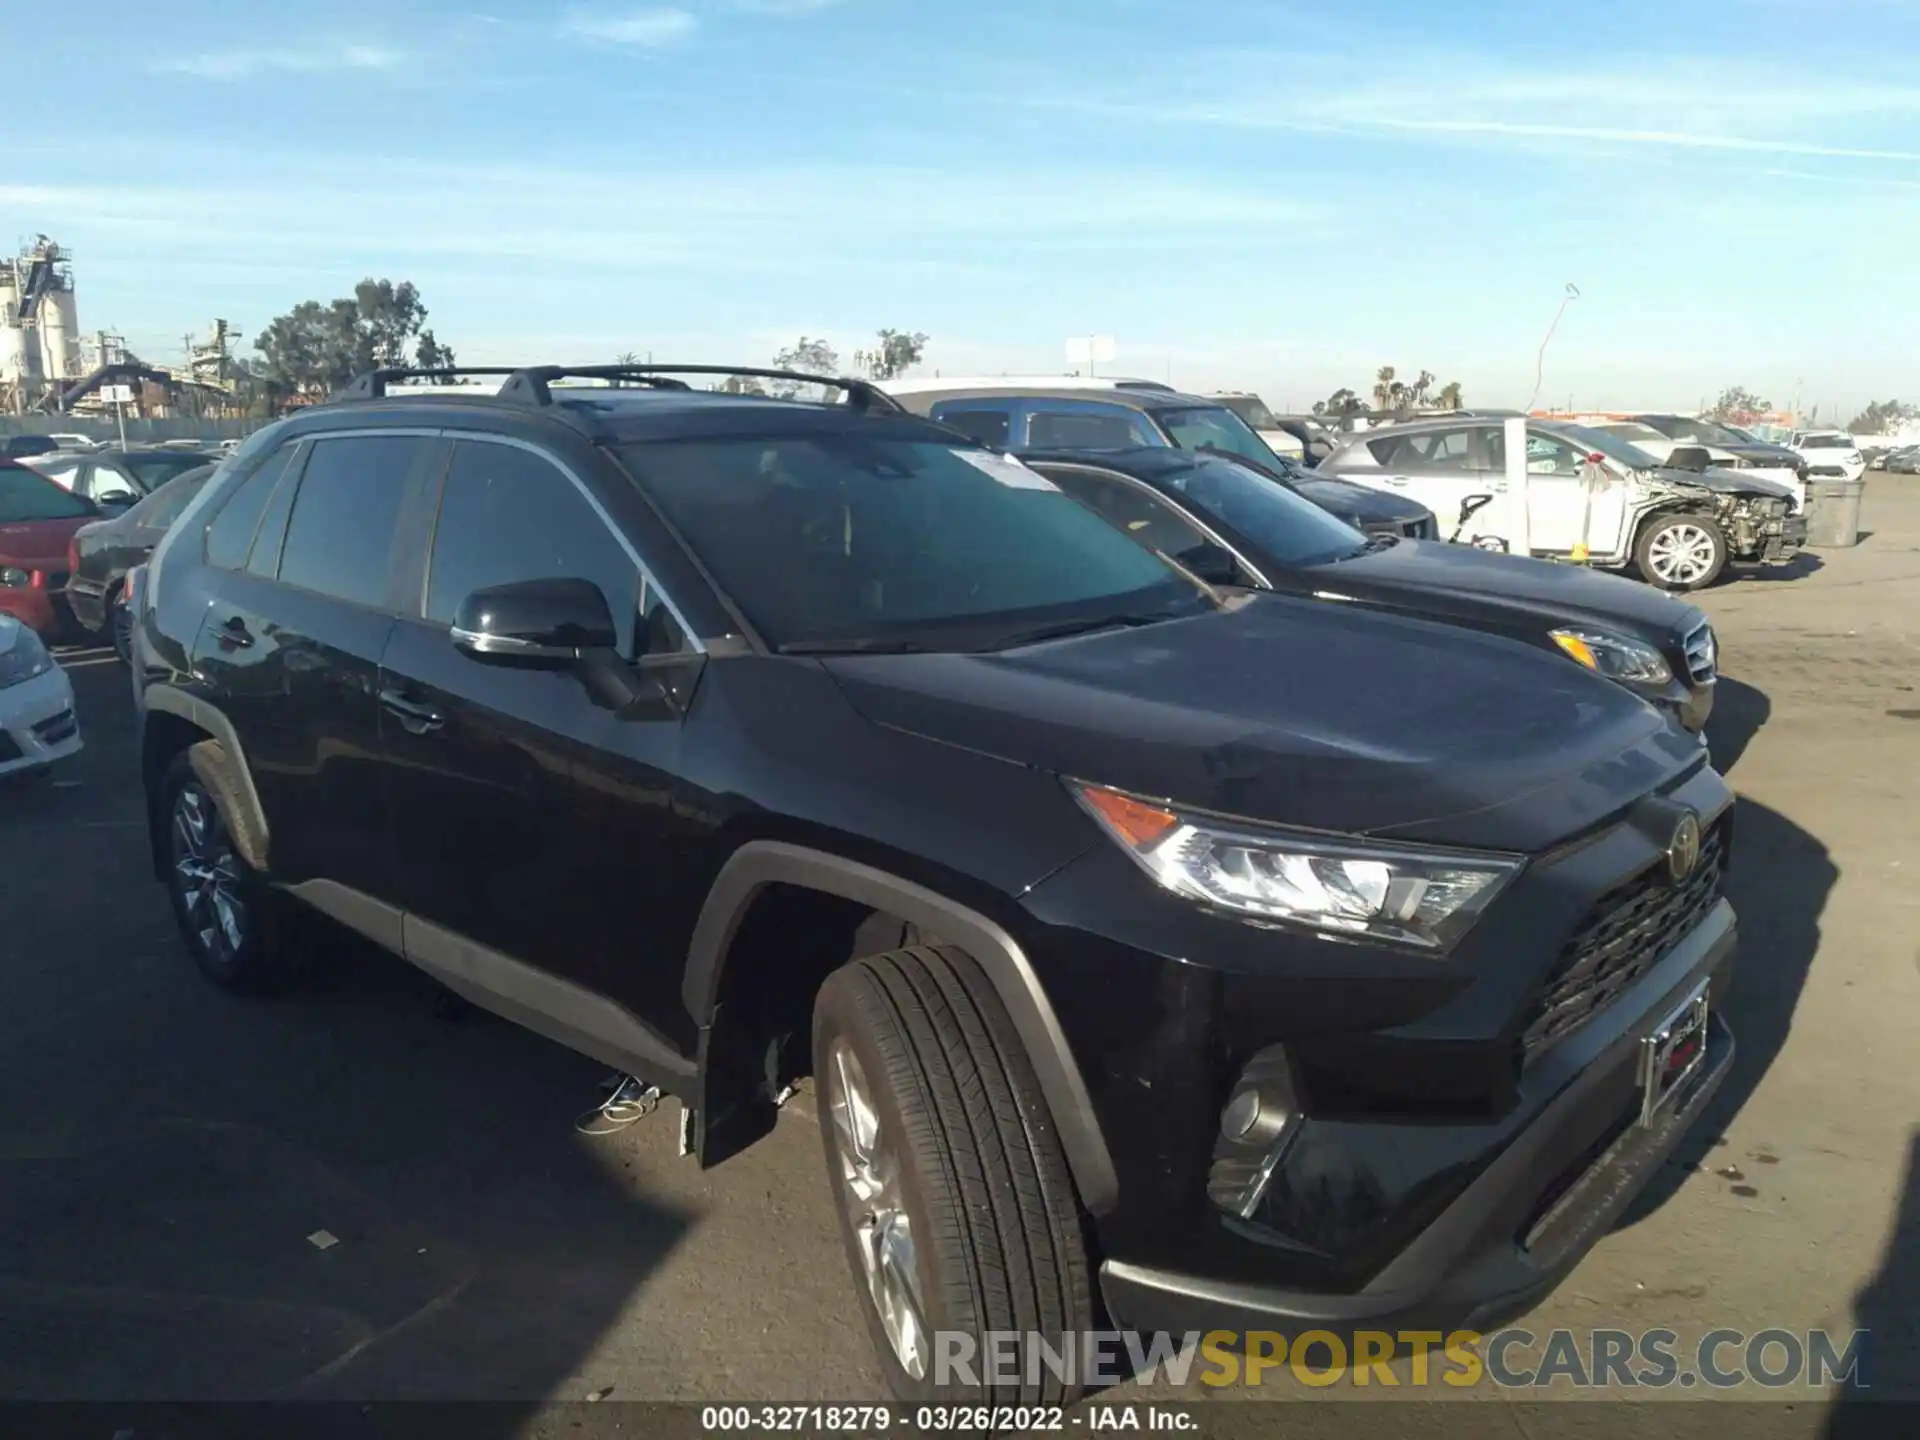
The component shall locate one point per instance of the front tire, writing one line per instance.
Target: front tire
(118, 630)
(956, 1206)
(1681, 552)
(226, 914)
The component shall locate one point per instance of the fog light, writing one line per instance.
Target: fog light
(1255, 1124)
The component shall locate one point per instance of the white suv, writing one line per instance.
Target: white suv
(1830, 454)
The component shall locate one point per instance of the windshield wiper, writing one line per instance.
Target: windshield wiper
(856, 645)
(1060, 630)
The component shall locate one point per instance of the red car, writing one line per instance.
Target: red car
(37, 521)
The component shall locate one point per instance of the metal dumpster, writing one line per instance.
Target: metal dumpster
(1833, 512)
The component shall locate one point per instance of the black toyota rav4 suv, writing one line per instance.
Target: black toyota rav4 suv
(1206, 957)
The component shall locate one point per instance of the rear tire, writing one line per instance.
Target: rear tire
(956, 1205)
(233, 924)
(1680, 552)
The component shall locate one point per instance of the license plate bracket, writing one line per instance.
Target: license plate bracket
(1673, 1053)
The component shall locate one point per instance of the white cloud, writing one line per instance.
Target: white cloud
(243, 64)
(1750, 108)
(648, 28)
(785, 7)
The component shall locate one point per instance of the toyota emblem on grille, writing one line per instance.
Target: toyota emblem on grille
(1683, 851)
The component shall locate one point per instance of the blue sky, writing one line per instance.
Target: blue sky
(1273, 195)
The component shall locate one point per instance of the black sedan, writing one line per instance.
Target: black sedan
(1230, 524)
(106, 550)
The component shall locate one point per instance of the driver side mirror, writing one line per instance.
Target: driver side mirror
(1212, 563)
(535, 624)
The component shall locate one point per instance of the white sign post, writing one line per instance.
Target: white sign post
(118, 396)
(1090, 350)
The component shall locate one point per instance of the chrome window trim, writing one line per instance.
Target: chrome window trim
(648, 585)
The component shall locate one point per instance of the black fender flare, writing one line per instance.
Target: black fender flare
(227, 777)
(760, 863)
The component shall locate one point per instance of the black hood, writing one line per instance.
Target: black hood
(1300, 713)
(1772, 456)
(1459, 582)
(1358, 504)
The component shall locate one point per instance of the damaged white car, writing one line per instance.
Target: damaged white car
(1590, 496)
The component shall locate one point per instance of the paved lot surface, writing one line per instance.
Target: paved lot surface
(166, 1150)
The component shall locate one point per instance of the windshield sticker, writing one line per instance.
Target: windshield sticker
(1007, 470)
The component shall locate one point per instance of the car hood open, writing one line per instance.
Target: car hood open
(1300, 713)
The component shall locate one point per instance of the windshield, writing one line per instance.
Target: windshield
(1699, 432)
(1827, 442)
(1288, 526)
(1251, 409)
(1612, 446)
(1217, 428)
(27, 496)
(152, 471)
(844, 540)
(156, 512)
(1632, 431)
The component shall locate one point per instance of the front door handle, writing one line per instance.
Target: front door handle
(232, 634)
(414, 718)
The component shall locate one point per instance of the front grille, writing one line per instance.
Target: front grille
(1702, 653)
(60, 727)
(1626, 932)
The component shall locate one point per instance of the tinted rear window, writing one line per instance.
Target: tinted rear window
(27, 496)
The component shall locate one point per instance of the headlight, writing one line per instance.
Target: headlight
(1615, 656)
(14, 578)
(24, 659)
(1407, 895)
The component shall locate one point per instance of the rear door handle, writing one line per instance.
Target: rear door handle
(414, 718)
(232, 634)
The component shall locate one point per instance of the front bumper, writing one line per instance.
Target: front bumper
(38, 724)
(1532, 1212)
(1769, 542)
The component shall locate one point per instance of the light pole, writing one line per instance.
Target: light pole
(1540, 360)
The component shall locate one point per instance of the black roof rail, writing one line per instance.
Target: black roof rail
(1158, 387)
(373, 384)
(532, 385)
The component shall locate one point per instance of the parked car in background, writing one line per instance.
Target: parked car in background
(1904, 461)
(116, 479)
(1043, 414)
(1729, 448)
(1231, 525)
(37, 523)
(37, 721)
(67, 440)
(1195, 957)
(1304, 438)
(101, 554)
(1830, 454)
(18, 447)
(1678, 528)
(1732, 451)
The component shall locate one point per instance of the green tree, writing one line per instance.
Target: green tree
(897, 352)
(1883, 417)
(810, 357)
(1390, 393)
(316, 348)
(1737, 405)
(1340, 405)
